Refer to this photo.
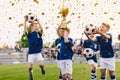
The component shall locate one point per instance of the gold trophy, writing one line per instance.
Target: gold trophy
(64, 12)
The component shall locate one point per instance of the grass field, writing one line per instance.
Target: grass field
(20, 72)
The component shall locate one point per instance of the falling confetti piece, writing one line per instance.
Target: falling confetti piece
(73, 14)
(63, 0)
(46, 27)
(95, 4)
(12, 4)
(20, 24)
(78, 16)
(10, 18)
(58, 16)
(92, 13)
(111, 18)
(53, 4)
(82, 33)
(114, 2)
(105, 12)
(43, 13)
(37, 1)
(118, 12)
(83, 5)
(118, 36)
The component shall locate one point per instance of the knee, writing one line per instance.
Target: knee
(69, 76)
(94, 67)
(30, 65)
(64, 76)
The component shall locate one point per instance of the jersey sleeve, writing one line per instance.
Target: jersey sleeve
(84, 44)
(55, 43)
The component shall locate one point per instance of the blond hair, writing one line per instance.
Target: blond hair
(106, 25)
(67, 29)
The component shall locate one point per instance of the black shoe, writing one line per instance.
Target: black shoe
(43, 71)
(31, 77)
(30, 74)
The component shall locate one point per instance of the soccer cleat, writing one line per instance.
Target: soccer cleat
(30, 74)
(43, 71)
(31, 78)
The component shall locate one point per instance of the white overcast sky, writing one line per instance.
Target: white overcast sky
(81, 12)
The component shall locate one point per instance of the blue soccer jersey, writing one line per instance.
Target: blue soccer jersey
(66, 52)
(106, 50)
(35, 42)
(93, 46)
(58, 42)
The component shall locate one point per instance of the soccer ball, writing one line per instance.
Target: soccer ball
(90, 28)
(58, 46)
(31, 17)
(88, 52)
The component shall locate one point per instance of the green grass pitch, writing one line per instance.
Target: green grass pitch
(20, 72)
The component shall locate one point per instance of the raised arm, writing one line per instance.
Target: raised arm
(41, 29)
(104, 35)
(90, 37)
(25, 28)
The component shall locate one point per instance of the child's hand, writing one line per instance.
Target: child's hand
(97, 31)
(26, 18)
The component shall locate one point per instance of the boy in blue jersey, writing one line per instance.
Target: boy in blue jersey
(92, 61)
(65, 54)
(35, 46)
(107, 60)
(58, 45)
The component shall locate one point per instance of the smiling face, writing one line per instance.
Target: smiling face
(61, 31)
(105, 27)
(34, 26)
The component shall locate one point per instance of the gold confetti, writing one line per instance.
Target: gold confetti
(43, 13)
(46, 27)
(111, 18)
(37, 1)
(83, 5)
(64, 0)
(58, 16)
(53, 4)
(20, 24)
(92, 13)
(78, 16)
(82, 33)
(105, 12)
(73, 14)
(114, 2)
(118, 12)
(10, 18)
(12, 4)
(95, 4)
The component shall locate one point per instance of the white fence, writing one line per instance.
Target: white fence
(13, 57)
(6, 58)
(16, 57)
